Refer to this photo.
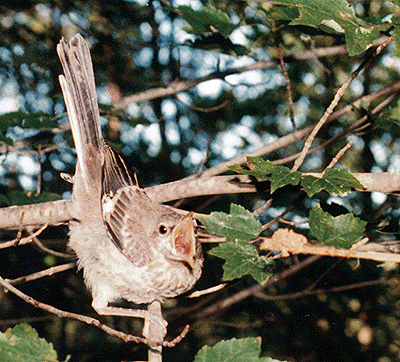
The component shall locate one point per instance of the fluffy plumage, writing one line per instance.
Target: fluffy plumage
(129, 246)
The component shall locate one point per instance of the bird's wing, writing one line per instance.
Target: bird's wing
(116, 174)
(124, 222)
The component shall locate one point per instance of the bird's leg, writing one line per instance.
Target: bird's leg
(104, 309)
(154, 333)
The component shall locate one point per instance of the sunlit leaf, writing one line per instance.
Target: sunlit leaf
(239, 224)
(335, 16)
(264, 170)
(241, 258)
(335, 181)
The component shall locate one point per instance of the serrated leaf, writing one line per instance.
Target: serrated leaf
(341, 231)
(264, 170)
(208, 19)
(22, 343)
(260, 169)
(282, 176)
(241, 258)
(335, 181)
(233, 350)
(312, 184)
(239, 224)
(335, 16)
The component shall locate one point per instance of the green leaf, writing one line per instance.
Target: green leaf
(233, 350)
(259, 168)
(280, 13)
(33, 120)
(239, 224)
(264, 170)
(208, 19)
(341, 231)
(282, 176)
(22, 343)
(6, 140)
(335, 16)
(26, 198)
(396, 47)
(335, 181)
(241, 258)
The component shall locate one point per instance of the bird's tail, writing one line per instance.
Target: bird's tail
(80, 98)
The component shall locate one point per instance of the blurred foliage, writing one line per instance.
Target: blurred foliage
(136, 47)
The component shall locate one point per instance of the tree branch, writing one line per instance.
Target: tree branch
(181, 86)
(63, 314)
(37, 215)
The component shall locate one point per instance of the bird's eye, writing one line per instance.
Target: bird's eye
(162, 229)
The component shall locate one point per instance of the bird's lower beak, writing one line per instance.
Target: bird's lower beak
(185, 239)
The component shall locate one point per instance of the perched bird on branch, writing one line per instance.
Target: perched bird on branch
(129, 246)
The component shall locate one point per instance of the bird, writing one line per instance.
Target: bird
(129, 246)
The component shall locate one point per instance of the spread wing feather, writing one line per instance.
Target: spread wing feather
(124, 227)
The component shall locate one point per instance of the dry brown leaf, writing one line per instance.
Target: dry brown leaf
(285, 240)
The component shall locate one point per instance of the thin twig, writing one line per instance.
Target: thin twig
(17, 239)
(340, 154)
(177, 339)
(202, 164)
(63, 314)
(221, 305)
(273, 221)
(288, 88)
(291, 223)
(263, 207)
(199, 293)
(354, 128)
(334, 103)
(183, 85)
(301, 133)
(307, 292)
(44, 248)
(25, 240)
(201, 109)
(39, 179)
(43, 273)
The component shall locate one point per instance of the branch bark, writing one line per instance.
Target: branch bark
(58, 212)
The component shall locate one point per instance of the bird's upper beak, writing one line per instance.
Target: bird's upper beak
(184, 239)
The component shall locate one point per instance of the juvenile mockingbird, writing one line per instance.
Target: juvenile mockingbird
(129, 246)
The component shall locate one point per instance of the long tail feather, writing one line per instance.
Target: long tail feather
(81, 100)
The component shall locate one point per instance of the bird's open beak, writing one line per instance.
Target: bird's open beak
(184, 239)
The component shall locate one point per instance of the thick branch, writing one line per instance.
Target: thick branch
(57, 212)
(35, 215)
